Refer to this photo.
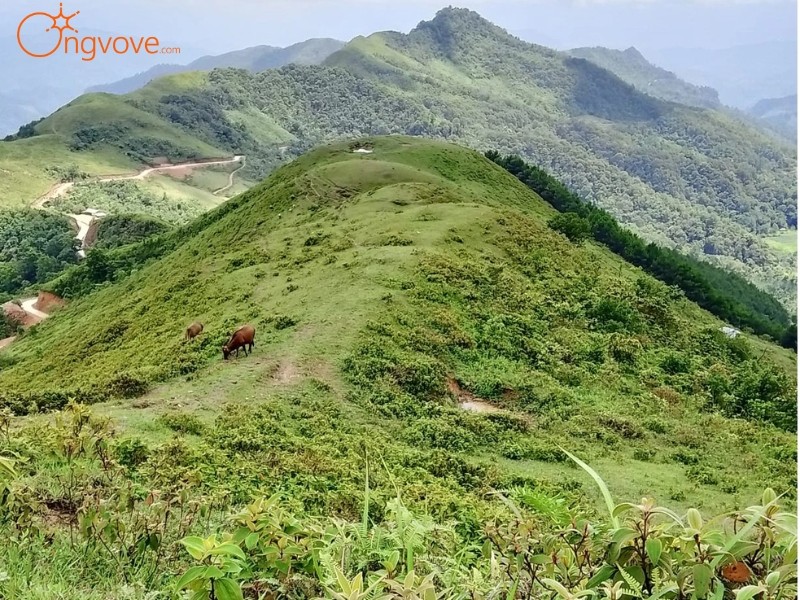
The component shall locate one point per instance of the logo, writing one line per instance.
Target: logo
(35, 25)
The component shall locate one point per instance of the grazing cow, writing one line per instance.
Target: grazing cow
(244, 337)
(193, 330)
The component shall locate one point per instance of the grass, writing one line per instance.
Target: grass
(784, 242)
(335, 242)
(24, 167)
(374, 283)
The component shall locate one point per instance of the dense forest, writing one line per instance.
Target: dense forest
(119, 230)
(726, 295)
(34, 247)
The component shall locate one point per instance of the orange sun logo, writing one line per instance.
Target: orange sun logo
(59, 22)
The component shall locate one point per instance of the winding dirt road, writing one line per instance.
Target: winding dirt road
(85, 221)
(62, 188)
(232, 173)
(29, 306)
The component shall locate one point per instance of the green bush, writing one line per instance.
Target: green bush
(575, 228)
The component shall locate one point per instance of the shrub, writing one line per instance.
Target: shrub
(131, 452)
(702, 475)
(655, 425)
(183, 423)
(675, 363)
(625, 350)
(570, 224)
(685, 457)
(625, 427)
(128, 385)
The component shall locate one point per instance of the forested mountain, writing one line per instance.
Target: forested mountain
(630, 66)
(780, 114)
(692, 178)
(257, 58)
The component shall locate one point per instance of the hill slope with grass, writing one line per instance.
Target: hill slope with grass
(393, 293)
(699, 180)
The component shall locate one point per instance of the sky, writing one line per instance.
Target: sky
(214, 26)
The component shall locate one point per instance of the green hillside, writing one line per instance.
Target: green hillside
(695, 179)
(386, 288)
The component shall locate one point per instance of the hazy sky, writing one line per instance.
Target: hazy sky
(214, 26)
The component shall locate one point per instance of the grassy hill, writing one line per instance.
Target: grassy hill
(695, 179)
(387, 289)
(629, 65)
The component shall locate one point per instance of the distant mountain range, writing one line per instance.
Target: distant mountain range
(257, 58)
(742, 75)
(697, 179)
(779, 114)
(629, 65)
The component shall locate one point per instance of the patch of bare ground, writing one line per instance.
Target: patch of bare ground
(469, 401)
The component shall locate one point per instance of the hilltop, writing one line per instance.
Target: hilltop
(392, 290)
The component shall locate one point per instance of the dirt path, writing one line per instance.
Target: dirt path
(29, 306)
(36, 316)
(62, 188)
(230, 177)
(84, 222)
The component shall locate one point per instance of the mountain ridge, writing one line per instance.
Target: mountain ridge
(254, 58)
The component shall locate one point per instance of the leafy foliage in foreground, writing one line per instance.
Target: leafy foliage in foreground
(149, 519)
(726, 295)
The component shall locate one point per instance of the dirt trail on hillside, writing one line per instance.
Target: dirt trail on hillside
(29, 306)
(62, 188)
(230, 177)
(33, 316)
(84, 222)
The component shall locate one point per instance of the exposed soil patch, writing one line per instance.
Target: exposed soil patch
(59, 512)
(17, 314)
(287, 373)
(469, 401)
(7, 342)
(47, 301)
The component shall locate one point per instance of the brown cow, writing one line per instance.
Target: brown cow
(243, 337)
(194, 330)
